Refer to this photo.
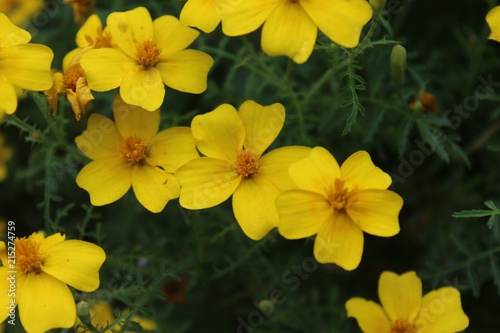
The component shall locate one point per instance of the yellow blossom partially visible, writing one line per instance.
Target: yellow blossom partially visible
(22, 65)
(81, 9)
(405, 310)
(202, 14)
(44, 267)
(337, 204)
(290, 27)
(131, 153)
(5, 155)
(493, 20)
(149, 55)
(20, 11)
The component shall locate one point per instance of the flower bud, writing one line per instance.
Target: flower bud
(377, 5)
(83, 312)
(398, 64)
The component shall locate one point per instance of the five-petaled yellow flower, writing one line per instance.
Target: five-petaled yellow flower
(493, 20)
(233, 143)
(44, 267)
(338, 204)
(132, 153)
(22, 65)
(149, 54)
(404, 310)
(202, 14)
(291, 26)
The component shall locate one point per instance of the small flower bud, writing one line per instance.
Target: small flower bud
(83, 312)
(377, 5)
(398, 64)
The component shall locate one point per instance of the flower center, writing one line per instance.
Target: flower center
(339, 196)
(133, 150)
(28, 259)
(402, 326)
(103, 39)
(147, 53)
(71, 76)
(247, 163)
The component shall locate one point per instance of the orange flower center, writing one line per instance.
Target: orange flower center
(402, 326)
(247, 163)
(103, 39)
(71, 76)
(133, 150)
(148, 53)
(28, 259)
(339, 196)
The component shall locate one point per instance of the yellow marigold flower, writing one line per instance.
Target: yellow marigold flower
(149, 55)
(202, 14)
(19, 11)
(493, 20)
(22, 65)
(291, 26)
(404, 310)
(338, 204)
(233, 143)
(5, 155)
(43, 269)
(132, 153)
(81, 9)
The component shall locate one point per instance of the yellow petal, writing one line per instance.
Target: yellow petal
(106, 180)
(441, 311)
(172, 148)
(241, 17)
(47, 243)
(171, 35)
(11, 34)
(262, 124)
(27, 66)
(301, 213)
(101, 139)
(69, 56)
(219, 133)
(44, 303)
(143, 88)
(340, 20)
(5, 299)
(289, 31)
(87, 34)
(253, 206)
(202, 14)
(129, 28)
(206, 182)
(370, 316)
(493, 20)
(359, 171)
(400, 295)
(274, 165)
(154, 187)
(76, 263)
(8, 96)
(339, 241)
(375, 211)
(105, 68)
(186, 70)
(133, 120)
(317, 172)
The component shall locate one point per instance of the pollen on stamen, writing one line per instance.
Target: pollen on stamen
(148, 53)
(338, 197)
(71, 76)
(28, 258)
(133, 150)
(402, 326)
(247, 163)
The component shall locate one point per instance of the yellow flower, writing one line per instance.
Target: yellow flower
(150, 54)
(22, 65)
(493, 20)
(233, 143)
(5, 155)
(43, 269)
(404, 310)
(19, 11)
(338, 204)
(202, 14)
(291, 26)
(132, 153)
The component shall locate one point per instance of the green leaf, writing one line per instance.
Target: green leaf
(490, 204)
(473, 213)
(432, 138)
